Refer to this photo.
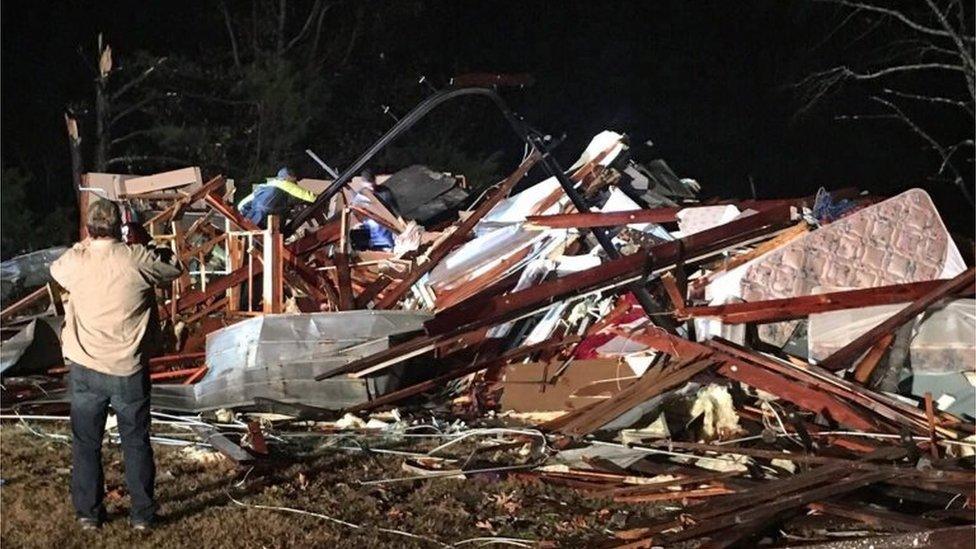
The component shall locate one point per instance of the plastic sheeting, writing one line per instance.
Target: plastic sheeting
(944, 341)
(278, 356)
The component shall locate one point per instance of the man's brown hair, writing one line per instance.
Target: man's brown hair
(103, 219)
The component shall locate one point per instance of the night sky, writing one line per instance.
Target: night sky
(707, 82)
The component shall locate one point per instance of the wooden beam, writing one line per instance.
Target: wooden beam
(847, 354)
(344, 281)
(930, 417)
(322, 236)
(608, 219)
(273, 274)
(25, 302)
(655, 381)
(304, 276)
(797, 393)
(372, 290)
(873, 516)
(779, 240)
(215, 288)
(790, 308)
(674, 293)
(173, 211)
(756, 374)
(871, 360)
(475, 314)
(662, 256)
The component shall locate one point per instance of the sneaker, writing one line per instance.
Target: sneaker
(89, 524)
(142, 526)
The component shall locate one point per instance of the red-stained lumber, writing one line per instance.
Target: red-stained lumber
(609, 219)
(790, 308)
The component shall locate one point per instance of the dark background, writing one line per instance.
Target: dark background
(709, 83)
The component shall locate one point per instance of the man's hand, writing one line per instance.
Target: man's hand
(135, 233)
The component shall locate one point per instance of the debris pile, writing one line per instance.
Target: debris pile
(769, 371)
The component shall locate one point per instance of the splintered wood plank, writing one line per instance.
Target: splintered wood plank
(609, 219)
(28, 300)
(871, 360)
(790, 308)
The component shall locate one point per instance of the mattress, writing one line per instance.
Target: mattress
(896, 241)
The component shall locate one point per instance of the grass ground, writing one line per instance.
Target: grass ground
(197, 509)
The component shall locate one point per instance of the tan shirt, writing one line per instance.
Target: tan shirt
(111, 317)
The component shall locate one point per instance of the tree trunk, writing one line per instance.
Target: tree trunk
(74, 146)
(103, 134)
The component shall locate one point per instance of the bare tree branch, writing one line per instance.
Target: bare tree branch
(958, 38)
(944, 154)
(965, 53)
(318, 34)
(134, 108)
(932, 99)
(354, 37)
(895, 14)
(898, 69)
(305, 28)
(230, 33)
(166, 160)
(135, 81)
(217, 99)
(280, 38)
(129, 136)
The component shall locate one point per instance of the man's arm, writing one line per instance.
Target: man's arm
(295, 191)
(157, 264)
(62, 269)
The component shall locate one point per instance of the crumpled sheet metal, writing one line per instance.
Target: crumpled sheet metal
(34, 349)
(28, 270)
(278, 356)
(896, 241)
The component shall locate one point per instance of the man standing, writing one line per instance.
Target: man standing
(275, 197)
(110, 321)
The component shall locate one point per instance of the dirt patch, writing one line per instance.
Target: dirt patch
(197, 508)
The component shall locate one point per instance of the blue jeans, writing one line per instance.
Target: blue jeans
(91, 394)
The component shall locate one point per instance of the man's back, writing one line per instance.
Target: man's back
(111, 305)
